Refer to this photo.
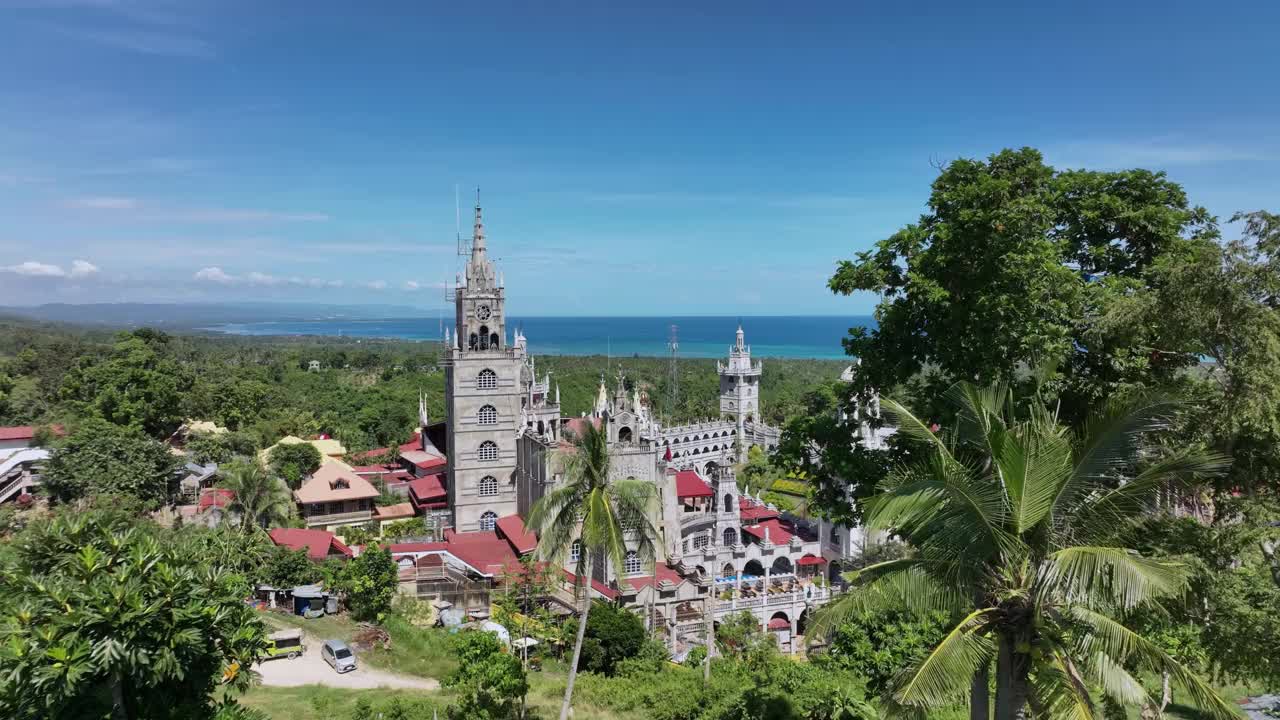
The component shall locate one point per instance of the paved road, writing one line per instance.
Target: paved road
(310, 669)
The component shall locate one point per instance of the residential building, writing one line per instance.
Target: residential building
(334, 497)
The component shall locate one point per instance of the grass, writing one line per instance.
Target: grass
(422, 652)
(315, 702)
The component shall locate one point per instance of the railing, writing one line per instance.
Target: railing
(334, 518)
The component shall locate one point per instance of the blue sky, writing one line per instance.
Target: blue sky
(655, 160)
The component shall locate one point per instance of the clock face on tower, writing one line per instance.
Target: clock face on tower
(482, 312)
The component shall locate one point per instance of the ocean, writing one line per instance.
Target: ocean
(808, 336)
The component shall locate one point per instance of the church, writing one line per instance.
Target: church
(721, 551)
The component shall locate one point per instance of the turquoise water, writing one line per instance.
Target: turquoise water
(807, 336)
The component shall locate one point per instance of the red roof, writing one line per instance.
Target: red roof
(319, 544)
(690, 484)
(779, 624)
(416, 547)
(810, 560)
(512, 527)
(662, 571)
(26, 432)
(751, 511)
(578, 425)
(426, 489)
(484, 551)
(215, 497)
(596, 585)
(414, 444)
(778, 534)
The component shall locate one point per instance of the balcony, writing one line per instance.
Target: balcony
(696, 519)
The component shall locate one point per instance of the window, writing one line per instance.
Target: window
(575, 551)
(730, 537)
(631, 563)
(488, 451)
(488, 520)
(701, 540)
(488, 415)
(488, 486)
(486, 380)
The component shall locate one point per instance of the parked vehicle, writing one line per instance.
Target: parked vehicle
(285, 643)
(338, 655)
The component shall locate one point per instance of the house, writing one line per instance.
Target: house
(386, 514)
(211, 509)
(17, 437)
(319, 544)
(335, 496)
(20, 463)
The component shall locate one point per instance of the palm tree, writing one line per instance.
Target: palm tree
(260, 498)
(1012, 519)
(608, 519)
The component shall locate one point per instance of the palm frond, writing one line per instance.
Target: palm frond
(1108, 577)
(1123, 645)
(913, 427)
(1115, 681)
(945, 673)
(895, 584)
(1058, 691)
(1106, 512)
(1033, 466)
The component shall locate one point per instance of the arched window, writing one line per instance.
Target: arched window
(486, 380)
(488, 520)
(487, 415)
(695, 451)
(624, 434)
(474, 343)
(493, 341)
(631, 563)
(728, 502)
(575, 551)
(488, 486)
(484, 337)
(488, 451)
(730, 537)
(701, 540)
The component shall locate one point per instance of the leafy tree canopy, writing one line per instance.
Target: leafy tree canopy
(293, 461)
(369, 584)
(138, 384)
(100, 458)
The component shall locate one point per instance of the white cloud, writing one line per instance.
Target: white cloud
(31, 268)
(215, 275)
(376, 285)
(411, 285)
(82, 268)
(146, 211)
(257, 278)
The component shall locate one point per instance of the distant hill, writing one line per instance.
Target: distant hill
(192, 315)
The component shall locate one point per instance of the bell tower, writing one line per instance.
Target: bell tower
(482, 388)
(740, 390)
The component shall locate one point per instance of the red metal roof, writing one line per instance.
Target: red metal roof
(810, 560)
(751, 511)
(778, 534)
(215, 497)
(690, 484)
(26, 432)
(522, 540)
(319, 544)
(578, 425)
(427, 489)
(662, 571)
(416, 547)
(484, 551)
(596, 585)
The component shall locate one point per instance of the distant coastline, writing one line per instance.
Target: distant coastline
(806, 336)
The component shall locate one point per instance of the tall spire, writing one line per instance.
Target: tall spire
(477, 231)
(741, 337)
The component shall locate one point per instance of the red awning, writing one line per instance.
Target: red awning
(810, 560)
(689, 485)
(779, 624)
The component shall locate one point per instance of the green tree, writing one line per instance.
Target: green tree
(138, 384)
(876, 645)
(1016, 265)
(260, 499)
(103, 614)
(488, 679)
(1013, 519)
(369, 584)
(740, 637)
(293, 461)
(288, 568)
(99, 458)
(220, 448)
(613, 634)
(605, 517)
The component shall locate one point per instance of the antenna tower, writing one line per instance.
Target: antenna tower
(673, 383)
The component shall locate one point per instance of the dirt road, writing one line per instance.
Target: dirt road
(310, 669)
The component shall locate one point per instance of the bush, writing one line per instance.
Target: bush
(877, 645)
(488, 679)
(369, 584)
(613, 635)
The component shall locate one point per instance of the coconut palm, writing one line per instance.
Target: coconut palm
(258, 497)
(1012, 519)
(608, 519)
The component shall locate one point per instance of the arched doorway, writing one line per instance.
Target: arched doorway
(624, 434)
(753, 567)
(802, 622)
(780, 621)
(727, 570)
(782, 566)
